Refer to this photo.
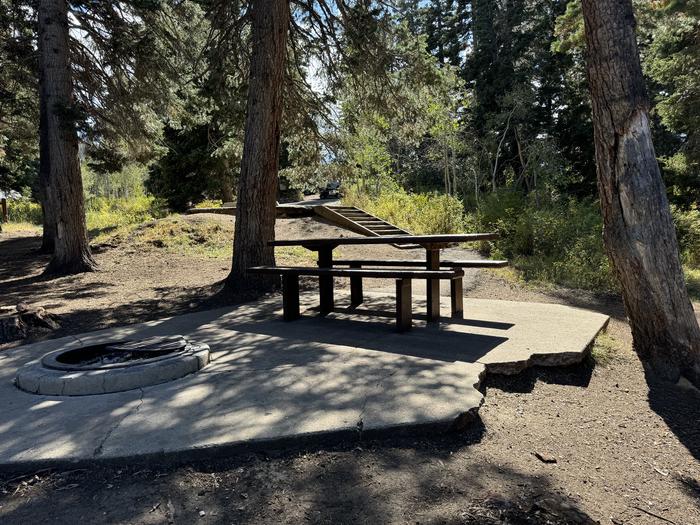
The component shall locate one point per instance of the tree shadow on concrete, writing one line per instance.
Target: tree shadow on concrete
(604, 303)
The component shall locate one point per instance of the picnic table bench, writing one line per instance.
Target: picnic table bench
(432, 269)
(404, 296)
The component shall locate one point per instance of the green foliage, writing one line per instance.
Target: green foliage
(19, 105)
(688, 230)
(210, 203)
(557, 241)
(560, 241)
(24, 210)
(692, 278)
(103, 214)
(420, 213)
(673, 63)
(125, 183)
(407, 124)
(191, 170)
(569, 29)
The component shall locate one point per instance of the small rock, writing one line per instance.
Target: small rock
(544, 457)
(202, 513)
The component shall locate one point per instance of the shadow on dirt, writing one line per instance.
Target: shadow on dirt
(574, 375)
(679, 407)
(21, 258)
(382, 481)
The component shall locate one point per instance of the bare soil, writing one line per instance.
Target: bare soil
(584, 444)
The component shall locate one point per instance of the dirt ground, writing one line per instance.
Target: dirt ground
(584, 444)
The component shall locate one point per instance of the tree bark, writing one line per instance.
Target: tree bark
(227, 190)
(638, 231)
(48, 219)
(64, 210)
(257, 190)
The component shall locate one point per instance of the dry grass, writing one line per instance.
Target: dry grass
(605, 349)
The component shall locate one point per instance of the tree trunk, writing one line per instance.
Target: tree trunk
(226, 189)
(48, 219)
(63, 200)
(638, 230)
(257, 190)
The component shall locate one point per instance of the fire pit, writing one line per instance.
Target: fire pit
(112, 366)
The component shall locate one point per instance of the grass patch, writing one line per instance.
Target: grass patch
(294, 256)
(197, 237)
(201, 238)
(210, 203)
(692, 278)
(15, 227)
(104, 215)
(605, 349)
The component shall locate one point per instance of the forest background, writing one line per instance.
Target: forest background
(471, 115)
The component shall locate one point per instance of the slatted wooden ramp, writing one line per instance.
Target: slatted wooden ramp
(360, 221)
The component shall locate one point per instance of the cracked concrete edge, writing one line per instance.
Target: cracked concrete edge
(305, 442)
(288, 444)
(100, 446)
(548, 359)
(471, 415)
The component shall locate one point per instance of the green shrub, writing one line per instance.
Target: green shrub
(100, 212)
(24, 210)
(688, 230)
(210, 203)
(550, 241)
(420, 213)
(103, 213)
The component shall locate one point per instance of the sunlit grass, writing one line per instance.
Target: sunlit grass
(201, 238)
(294, 256)
(197, 237)
(17, 227)
(605, 349)
(210, 203)
(692, 278)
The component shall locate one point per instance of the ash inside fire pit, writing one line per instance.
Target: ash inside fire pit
(113, 355)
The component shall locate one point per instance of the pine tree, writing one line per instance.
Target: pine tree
(638, 230)
(60, 167)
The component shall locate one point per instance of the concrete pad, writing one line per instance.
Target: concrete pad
(270, 380)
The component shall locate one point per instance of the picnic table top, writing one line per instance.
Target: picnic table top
(387, 239)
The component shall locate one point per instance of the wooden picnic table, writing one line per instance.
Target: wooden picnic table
(431, 243)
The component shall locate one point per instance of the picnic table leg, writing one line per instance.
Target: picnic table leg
(356, 297)
(290, 297)
(457, 298)
(325, 282)
(433, 285)
(403, 304)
